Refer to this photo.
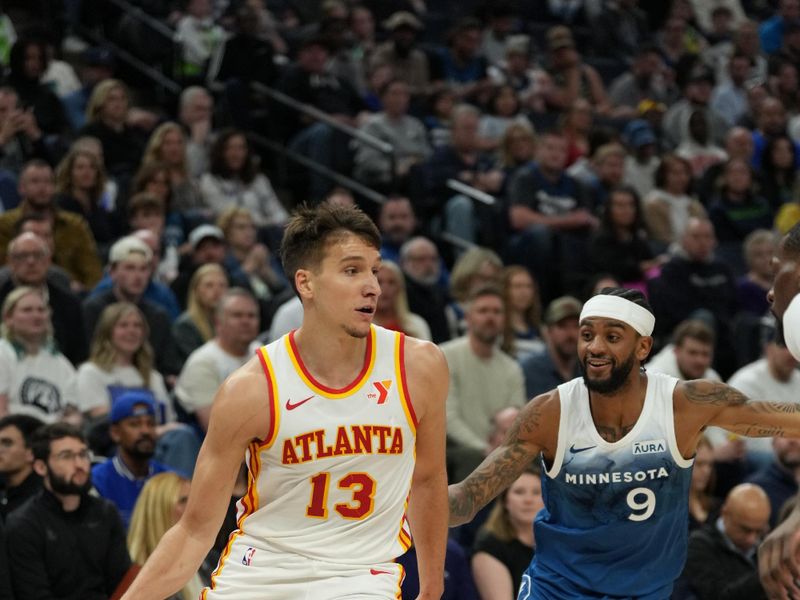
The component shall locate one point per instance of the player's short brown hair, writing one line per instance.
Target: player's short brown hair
(310, 230)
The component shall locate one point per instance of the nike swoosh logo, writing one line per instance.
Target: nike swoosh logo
(376, 572)
(575, 450)
(290, 406)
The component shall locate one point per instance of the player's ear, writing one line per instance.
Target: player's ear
(303, 281)
(643, 347)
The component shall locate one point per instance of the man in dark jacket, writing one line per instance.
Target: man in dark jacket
(694, 284)
(721, 563)
(66, 543)
(18, 481)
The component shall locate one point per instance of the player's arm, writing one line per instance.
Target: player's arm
(240, 414)
(534, 430)
(428, 380)
(718, 404)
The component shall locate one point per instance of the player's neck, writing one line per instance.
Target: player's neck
(334, 358)
(619, 410)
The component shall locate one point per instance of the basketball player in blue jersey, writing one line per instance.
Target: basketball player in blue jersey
(617, 448)
(342, 426)
(778, 559)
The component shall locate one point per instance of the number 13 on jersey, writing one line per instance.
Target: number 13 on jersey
(361, 496)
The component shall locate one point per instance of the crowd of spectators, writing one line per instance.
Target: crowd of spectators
(594, 143)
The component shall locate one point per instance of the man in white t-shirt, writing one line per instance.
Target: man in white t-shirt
(236, 326)
(690, 354)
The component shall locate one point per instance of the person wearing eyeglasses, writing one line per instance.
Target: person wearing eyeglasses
(66, 543)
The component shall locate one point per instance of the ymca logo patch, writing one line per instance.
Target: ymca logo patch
(649, 447)
(248, 556)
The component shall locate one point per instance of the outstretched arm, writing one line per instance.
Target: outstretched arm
(530, 433)
(239, 416)
(718, 404)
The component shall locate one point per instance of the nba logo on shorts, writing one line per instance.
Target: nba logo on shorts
(248, 556)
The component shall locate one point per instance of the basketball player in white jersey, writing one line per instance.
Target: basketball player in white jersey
(342, 427)
(778, 560)
(617, 447)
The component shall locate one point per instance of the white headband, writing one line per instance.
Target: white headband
(791, 327)
(614, 307)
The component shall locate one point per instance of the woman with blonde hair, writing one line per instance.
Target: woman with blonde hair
(475, 268)
(80, 186)
(702, 505)
(107, 119)
(505, 544)
(195, 326)
(159, 506)
(392, 311)
(523, 312)
(167, 145)
(35, 378)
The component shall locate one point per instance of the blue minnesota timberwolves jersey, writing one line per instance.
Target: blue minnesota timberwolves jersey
(615, 521)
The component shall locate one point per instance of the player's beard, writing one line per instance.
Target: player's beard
(615, 381)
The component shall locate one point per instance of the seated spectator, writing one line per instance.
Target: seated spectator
(235, 328)
(695, 284)
(18, 481)
(201, 40)
(234, 178)
(642, 161)
(248, 255)
(667, 208)
(401, 52)
(698, 83)
(476, 268)
(161, 503)
(156, 292)
(696, 148)
(131, 265)
(41, 225)
(91, 559)
(601, 173)
(107, 120)
(738, 145)
(752, 287)
(195, 112)
(721, 560)
(702, 507)
(74, 246)
(35, 378)
(169, 224)
(80, 186)
(572, 78)
(483, 379)
(461, 160)
(779, 477)
(29, 265)
(394, 126)
(516, 150)
(620, 247)
(458, 584)
(505, 544)
(248, 54)
(523, 312)
(167, 145)
(462, 65)
(503, 110)
(576, 124)
(558, 362)
(647, 79)
(21, 139)
(777, 176)
(195, 326)
(392, 310)
(95, 64)
(421, 264)
(771, 122)
(396, 222)
(729, 98)
(736, 211)
(549, 211)
(530, 82)
(133, 429)
(27, 64)
(439, 117)
(207, 245)
(690, 354)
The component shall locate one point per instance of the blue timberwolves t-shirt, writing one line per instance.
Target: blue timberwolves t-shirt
(615, 521)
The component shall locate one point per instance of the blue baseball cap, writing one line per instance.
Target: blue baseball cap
(132, 404)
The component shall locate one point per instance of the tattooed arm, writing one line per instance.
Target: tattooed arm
(534, 430)
(723, 406)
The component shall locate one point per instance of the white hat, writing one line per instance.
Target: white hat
(202, 232)
(130, 247)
